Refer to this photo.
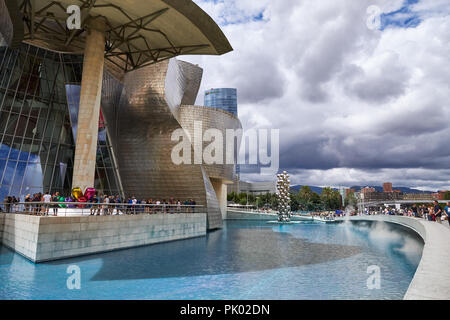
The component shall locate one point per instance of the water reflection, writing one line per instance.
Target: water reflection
(222, 252)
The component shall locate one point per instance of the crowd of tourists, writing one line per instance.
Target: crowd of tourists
(433, 212)
(99, 204)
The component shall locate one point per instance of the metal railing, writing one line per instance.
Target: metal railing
(67, 209)
(248, 209)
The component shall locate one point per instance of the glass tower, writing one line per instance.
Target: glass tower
(39, 98)
(223, 98)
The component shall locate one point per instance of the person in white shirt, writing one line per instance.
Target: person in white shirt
(46, 198)
(105, 206)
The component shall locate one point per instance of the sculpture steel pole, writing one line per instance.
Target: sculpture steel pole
(284, 207)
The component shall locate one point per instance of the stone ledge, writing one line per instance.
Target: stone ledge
(50, 238)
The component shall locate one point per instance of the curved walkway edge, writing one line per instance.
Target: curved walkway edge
(432, 278)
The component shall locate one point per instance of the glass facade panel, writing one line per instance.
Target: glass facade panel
(39, 99)
(223, 98)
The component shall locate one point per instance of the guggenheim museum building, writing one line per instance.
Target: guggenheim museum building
(96, 106)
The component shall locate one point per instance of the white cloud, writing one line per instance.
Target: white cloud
(343, 96)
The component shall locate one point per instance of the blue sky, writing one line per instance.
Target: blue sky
(405, 17)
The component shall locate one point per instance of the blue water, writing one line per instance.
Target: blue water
(244, 260)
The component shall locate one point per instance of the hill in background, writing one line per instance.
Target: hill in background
(358, 188)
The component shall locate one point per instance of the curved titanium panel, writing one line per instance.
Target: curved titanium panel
(194, 76)
(144, 125)
(212, 118)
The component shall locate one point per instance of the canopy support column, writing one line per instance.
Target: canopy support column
(89, 110)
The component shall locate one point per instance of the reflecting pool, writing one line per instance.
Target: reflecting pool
(244, 260)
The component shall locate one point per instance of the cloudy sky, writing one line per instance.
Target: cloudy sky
(355, 104)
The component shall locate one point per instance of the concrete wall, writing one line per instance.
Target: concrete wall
(221, 193)
(20, 233)
(51, 238)
(432, 279)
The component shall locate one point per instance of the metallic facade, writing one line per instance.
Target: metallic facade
(212, 118)
(141, 127)
(39, 100)
(39, 97)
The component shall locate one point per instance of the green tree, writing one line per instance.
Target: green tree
(330, 199)
(295, 203)
(305, 194)
(307, 199)
(446, 195)
(232, 196)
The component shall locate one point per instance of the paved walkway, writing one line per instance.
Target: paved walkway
(432, 278)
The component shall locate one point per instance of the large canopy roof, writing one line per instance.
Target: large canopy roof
(138, 32)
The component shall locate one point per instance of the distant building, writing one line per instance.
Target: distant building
(418, 196)
(367, 190)
(439, 195)
(382, 196)
(387, 187)
(222, 98)
(255, 188)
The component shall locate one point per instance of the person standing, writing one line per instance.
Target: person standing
(105, 205)
(414, 211)
(94, 207)
(437, 211)
(7, 203)
(178, 206)
(35, 205)
(28, 206)
(55, 198)
(157, 208)
(447, 212)
(46, 198)
(133, 202)
(193, 203)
